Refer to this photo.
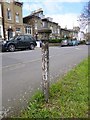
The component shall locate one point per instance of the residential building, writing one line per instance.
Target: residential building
(54, 27)
(27, 29)
(65, 33)
(76, 31)
(87, 31)
(35, 19)
(81, 36)
(1, 22)
(12, 18)
(38, 13)
(35, 22)
(76, 28)
(73, 34)
(69, 33)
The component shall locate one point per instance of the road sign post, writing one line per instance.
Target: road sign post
(44, 35)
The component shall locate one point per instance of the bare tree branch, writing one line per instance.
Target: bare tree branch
(84, 18)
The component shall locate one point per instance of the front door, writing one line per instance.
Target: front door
(10, 33)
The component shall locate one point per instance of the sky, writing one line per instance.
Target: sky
(63, 12)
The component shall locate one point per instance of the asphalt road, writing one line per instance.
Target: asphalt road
(21, 72)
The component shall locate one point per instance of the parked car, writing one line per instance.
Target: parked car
(75, 42)
(87, 42)
(19, 42)
(64, 43)
(0, 45)
(69, 42)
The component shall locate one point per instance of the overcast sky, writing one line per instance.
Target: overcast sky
(64, 12)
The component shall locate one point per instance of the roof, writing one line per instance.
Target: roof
(31, 16)
(18, 3)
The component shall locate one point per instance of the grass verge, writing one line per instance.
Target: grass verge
(68, 97)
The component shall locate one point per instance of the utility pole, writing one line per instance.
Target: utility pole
(44, 35)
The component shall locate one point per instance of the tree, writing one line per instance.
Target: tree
(84, 18)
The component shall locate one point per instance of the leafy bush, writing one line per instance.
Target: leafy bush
(82, 42)
(55, 40)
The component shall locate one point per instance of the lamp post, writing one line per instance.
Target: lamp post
(44, 35)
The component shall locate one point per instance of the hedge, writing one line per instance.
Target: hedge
(55, 40)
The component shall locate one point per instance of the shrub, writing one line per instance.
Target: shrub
(82, 42)
(55, 40)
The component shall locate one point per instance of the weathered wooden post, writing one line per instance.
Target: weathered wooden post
(44, 35)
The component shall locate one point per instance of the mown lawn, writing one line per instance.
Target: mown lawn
(68, 97)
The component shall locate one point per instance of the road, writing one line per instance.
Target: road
(21, 72)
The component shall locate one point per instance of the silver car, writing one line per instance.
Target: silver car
(87, 42)
(69, 43)
(64, 43)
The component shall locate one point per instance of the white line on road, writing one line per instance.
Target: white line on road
(18, 52)
(17, 64)
(22, 64)
(77, 48)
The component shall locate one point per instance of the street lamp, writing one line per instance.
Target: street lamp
(44, 36)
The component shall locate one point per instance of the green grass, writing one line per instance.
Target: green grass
(68, 97)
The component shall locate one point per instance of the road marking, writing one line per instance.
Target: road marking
(17, 52)
(17, 67)
(22, 64)
(17, 64)
(77, 48)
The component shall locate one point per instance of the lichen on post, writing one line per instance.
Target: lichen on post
(44, 34)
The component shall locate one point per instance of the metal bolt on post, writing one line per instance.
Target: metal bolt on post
(44, 33)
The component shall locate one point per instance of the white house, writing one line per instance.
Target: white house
(87, 28)
(1, 25)
(81, 36)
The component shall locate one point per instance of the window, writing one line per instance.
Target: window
(43, 24)
(0, 11)
(27, 38)
(20, 37)
(8, 1)
(58, 30)
(17, 18)
(51, 28)
(28, 30)
(9, 14)
(55, 30)
(0, 30)
(18, 30)
(36, 26)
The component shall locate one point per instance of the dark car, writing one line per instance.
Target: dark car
(19, 42)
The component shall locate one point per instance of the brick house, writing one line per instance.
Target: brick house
(12, 18)
(27, 29)
(64, 32)
(55, 28)
(35, 19)
(1, 22)
(35, 22)
(69, 33)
